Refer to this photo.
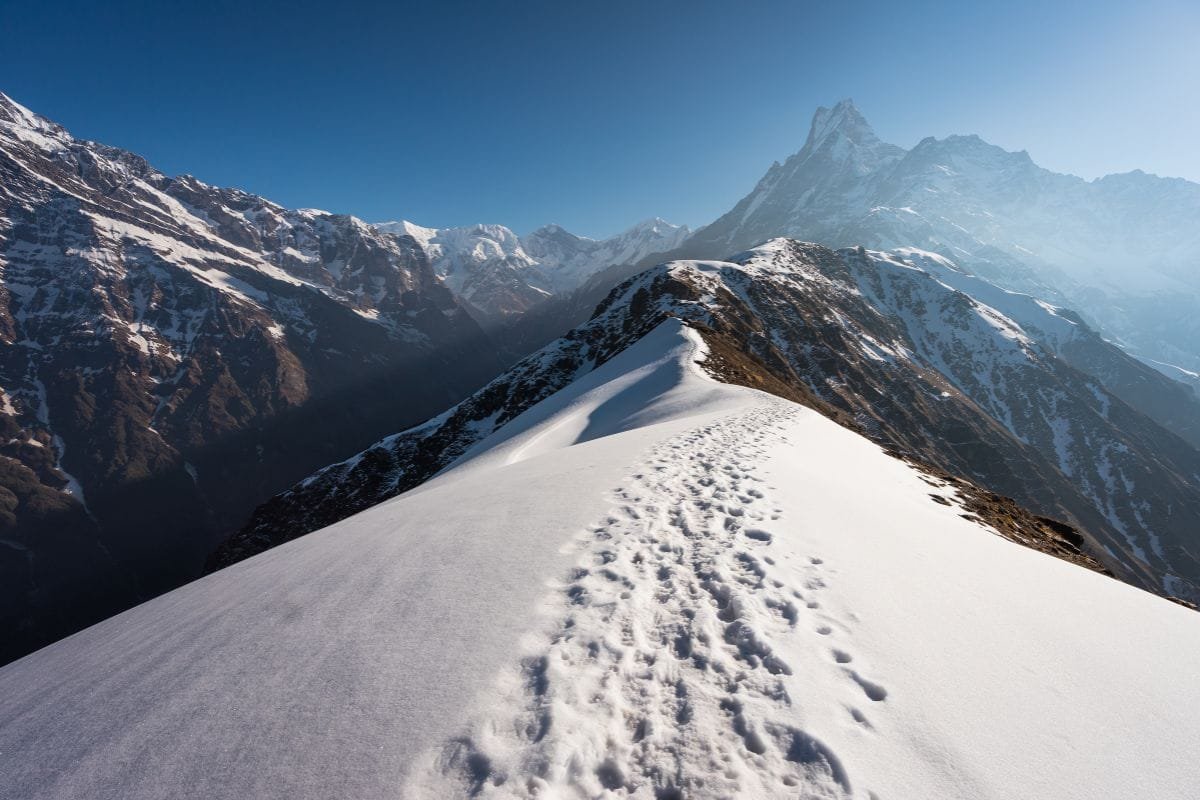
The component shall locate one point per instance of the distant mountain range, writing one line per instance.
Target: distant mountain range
(1124, 250)
(502, 275)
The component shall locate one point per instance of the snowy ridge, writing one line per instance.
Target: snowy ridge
(675, 590)
(201, 228)
(921, 367)
(404, 460)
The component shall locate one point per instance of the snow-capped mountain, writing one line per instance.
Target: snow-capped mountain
(649, 584)
(574, 259)
(502, 275)
(175, 353)
(1124, 248)
(884, 342)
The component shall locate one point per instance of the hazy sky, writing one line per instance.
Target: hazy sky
(593, 115)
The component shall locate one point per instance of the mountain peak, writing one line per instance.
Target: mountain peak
(654, 225)
(844, 118)
(28, 126)
(555, 231)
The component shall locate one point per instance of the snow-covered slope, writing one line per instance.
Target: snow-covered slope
(501, 274)
(648, 585)
(1158, 392)
(1123, 249)
(993, 393)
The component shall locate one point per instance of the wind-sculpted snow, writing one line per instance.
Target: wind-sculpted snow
(404, 460)
(650, 585)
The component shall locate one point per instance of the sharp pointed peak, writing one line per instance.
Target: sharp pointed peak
(30, 126)
(652, 223)
(8, 102)
(17, 112)
(553, 229)
(844, 117)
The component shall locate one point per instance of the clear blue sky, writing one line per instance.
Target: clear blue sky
(593, 114)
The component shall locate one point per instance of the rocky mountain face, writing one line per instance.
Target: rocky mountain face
(501, 275)
(172, 354)
(883, 343)
(1125, 248)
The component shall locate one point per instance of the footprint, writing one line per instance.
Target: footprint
(842, 657)
(758, 535)
(860, 717)
(824, 630)
(741, 726)
(753, 649)
(819, 763)
(786, 608)
(872, 690)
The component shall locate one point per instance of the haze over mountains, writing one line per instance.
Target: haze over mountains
(176, 351)
(1122, 249)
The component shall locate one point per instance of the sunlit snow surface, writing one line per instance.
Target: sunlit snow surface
(649, 585)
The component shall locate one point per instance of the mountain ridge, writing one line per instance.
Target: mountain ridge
(963, 388)
(1123, 246)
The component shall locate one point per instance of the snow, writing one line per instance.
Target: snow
(1021, 310)
(1121, 249)
(648, 582)
(6, 404)
(1180, 374)
(30, 128)
(549, 260)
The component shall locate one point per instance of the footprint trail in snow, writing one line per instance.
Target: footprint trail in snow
(664, 676)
